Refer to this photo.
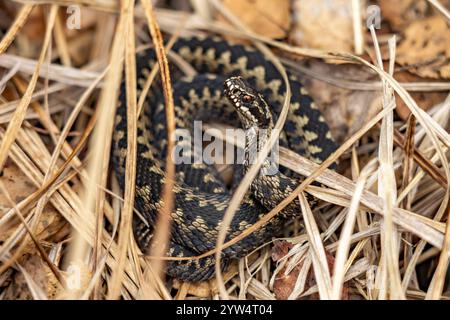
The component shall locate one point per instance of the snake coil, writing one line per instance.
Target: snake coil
(201, 196)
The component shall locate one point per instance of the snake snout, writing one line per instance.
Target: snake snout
(234, 87)
(250, 105)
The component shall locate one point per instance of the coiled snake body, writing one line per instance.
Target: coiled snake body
(201, 196)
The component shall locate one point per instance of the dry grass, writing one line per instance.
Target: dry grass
(386, 215)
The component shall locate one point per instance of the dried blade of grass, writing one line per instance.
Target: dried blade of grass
(10, 106)
(431, 127)
(336, 223)
(257, 289)
(153, 287)
(33, 237)
(84, 226)
(56, 152)
(46, 120)
(202, 8)
(18, 23)
(262, 154)
(440, 8)
(346, 233)
(32, 198)
(151, 77)
(162, 228)
(358, 268)
(438, 281)
(100, 144)
(64, 75)
(243, 284)
(300, 283)
(355, 253)
(167, 18)
(134, 255)
(130, 167)
(61, 42)
(42, 113)
(415, 181)
(357, 27)
(36, 292)
(4, 80)
(360, 237)
(330, 196)
(363, 85)
(95, 279)
(100, 202)
(387, 188)
(105, 5)
(361, 219)
(408, 166)
(247, 273)
(317, 251)
(381, 278)
(183, 291)
(20, 113)
(428, 254)
(426, 164)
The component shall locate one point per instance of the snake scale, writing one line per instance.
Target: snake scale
(252, 84)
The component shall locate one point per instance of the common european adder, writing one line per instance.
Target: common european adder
(201, 196)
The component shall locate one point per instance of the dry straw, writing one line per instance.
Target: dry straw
(405, 214)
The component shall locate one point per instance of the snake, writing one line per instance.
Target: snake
(235, 84)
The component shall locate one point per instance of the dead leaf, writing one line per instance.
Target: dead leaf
(424, 100)
(28, 41)
(401, 13)
(284, 284)
(20, 187)
(280, 249)
(312, 282)
(323, 24)
(426, 48)
(40, 273)
(266, 17)
(344, 110)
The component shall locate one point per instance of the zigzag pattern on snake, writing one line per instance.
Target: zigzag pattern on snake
(201, 196)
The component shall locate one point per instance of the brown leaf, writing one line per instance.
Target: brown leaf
(280, 249)
(425, 100)
(426, 48)
(41, 275)
(266, 17)
(323, 24)
(284, 284)
(19, 187)
(312, 282)
(345, 110)
(401, 13)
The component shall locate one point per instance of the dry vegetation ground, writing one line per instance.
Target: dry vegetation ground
(382, 229)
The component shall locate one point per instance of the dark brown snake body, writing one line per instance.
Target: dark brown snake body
(201, 196)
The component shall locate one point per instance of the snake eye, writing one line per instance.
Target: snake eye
(247, 98)
(234, 91)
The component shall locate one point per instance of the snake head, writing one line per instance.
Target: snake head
(250, 105)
